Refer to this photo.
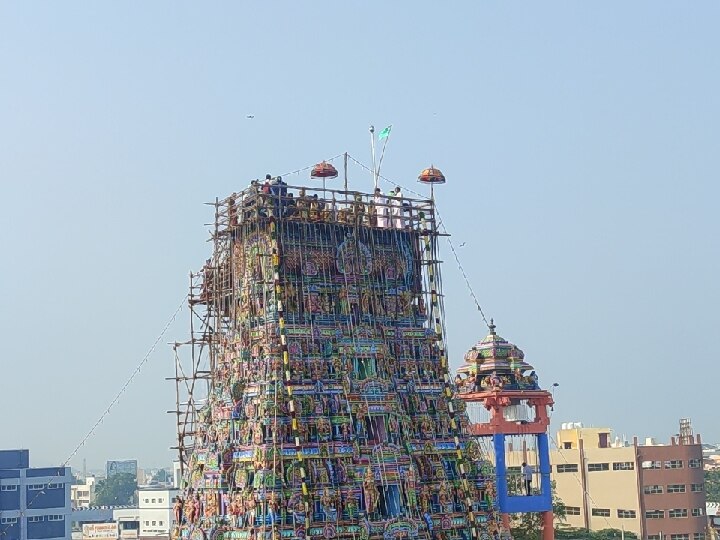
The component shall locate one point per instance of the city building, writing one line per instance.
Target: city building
(711, 456)
(81, 517)
(155, 511)
(83, 495)
(119, 522)
(128, 523)
(177, 474)
(127, 466)
(655, 491)
(34, 502)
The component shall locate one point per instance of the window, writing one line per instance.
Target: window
(601, 512)
(147, 500)
(376, 428)
(597, 467)
(154, 523)
(450, 467)
(651, 490)
(36, 519)
(10, 487)
(653, 537)
(626, 514)
(655, 514)
(699, 536)
(695, 463)
(160, 500)
(678, 513)
(697, 488)
(568, 467)
(624, 466)
(572, 510)
(567, 446)
(153, 501)
(651, 465)
(674, 464)
(147, 523)
(160, 523)
(35, 487)
(603, 439)
(364, 368)
(389, 505)
(698, 512)
(8, 521)
(56, 486)
(679, 537)
(676, 488)
(56, 517)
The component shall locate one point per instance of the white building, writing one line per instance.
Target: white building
(83, 495)
(128, 523)
(177, 477)
(156, 511)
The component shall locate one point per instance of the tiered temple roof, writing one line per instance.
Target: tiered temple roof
(331, 411)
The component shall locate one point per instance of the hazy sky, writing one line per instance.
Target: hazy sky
(580, 141)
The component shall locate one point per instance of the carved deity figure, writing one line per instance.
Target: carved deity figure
(370, 491)
(178, 510)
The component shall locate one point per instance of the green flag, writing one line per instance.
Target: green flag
(385, 133)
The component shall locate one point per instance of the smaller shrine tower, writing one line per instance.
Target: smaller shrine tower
(506, 404)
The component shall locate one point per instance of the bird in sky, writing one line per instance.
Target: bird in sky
(250, 116)
(463, 244)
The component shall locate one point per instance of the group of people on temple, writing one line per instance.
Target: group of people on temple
(272, 198)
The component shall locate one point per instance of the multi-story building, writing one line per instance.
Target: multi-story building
(596, 478)
(34, 502)
(655, 491)
(672, 495)
(127, 466)
(128, 522)
(83, 495)
(155, 511)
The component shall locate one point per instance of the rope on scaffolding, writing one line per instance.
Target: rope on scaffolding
(99, 421)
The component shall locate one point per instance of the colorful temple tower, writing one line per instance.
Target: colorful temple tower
(506, 406)
(316, 399)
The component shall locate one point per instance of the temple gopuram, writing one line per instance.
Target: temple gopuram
(314, 394)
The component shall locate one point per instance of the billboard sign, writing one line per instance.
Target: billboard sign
(99, 530)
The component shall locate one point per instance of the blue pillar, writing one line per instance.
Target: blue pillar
(545, 467)
(500, 470)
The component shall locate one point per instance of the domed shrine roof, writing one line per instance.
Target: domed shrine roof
(494, 353)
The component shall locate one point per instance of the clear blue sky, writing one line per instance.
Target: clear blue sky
(580, 141)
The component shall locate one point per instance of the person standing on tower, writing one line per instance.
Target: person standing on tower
(527, 474)
(380, 209)
(397, 209)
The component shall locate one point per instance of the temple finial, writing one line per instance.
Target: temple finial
(491, 326)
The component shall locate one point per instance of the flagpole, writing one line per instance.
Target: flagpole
(382, 153)
(372, 148)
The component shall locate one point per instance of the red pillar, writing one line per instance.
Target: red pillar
(548, 529)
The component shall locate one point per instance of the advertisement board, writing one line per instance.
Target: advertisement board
(99, 530)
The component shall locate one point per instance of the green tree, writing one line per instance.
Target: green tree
(575, 533)
(611, 534)
(712, 485)
(119, 489)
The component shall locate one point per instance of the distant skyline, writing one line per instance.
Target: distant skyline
(580, 142)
